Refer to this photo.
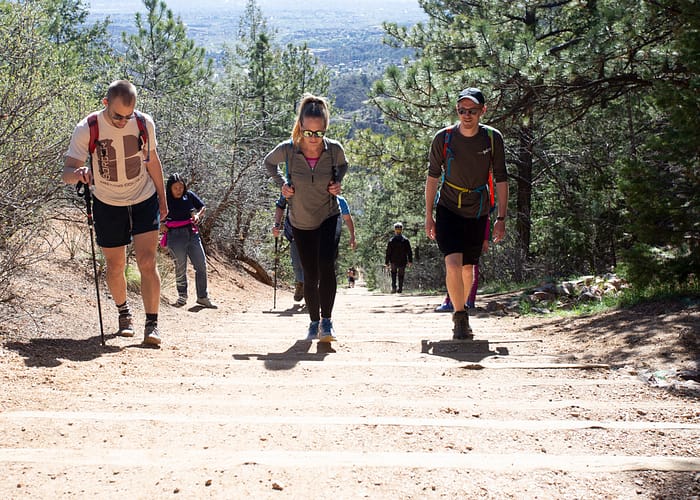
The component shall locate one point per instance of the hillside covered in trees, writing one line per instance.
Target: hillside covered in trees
(597, 101)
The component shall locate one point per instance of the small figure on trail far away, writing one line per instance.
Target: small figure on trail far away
(352, 276)
(398, 256)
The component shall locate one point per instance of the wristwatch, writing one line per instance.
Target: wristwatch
(501, 218)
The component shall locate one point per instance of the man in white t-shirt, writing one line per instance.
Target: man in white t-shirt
(129, 196)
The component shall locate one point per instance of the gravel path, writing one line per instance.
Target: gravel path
(235, 403)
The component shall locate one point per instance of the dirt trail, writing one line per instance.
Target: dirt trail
(235, 403)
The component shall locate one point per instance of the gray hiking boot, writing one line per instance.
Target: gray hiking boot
(206, 302)
(151, 335)
(126, 326)
(181, 300)
(461, 329)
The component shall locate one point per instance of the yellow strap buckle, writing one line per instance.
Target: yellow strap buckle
(461, 192)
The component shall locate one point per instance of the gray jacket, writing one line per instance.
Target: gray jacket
(311, 203)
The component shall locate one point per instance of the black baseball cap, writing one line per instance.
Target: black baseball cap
(473, 94)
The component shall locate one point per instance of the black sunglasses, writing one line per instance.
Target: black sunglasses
(119, 118)
(469, 111)
(312, 133)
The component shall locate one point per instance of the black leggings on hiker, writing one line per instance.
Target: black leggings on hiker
(317, 251)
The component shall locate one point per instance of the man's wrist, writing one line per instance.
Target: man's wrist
(501, 218)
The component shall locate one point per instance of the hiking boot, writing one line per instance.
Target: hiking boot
(461, 330)
(151, 335)
(181, 301)
(313, 330)
(299, 291)
(205, 302)
(126, 326)
(327, 332)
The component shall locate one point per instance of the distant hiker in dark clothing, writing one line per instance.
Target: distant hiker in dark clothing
(185, 210)
(470, 156)
(398, 256)
(315, 167)
(352, 275)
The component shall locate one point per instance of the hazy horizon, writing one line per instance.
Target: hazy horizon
(356, 7)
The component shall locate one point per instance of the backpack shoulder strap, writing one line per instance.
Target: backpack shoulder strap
(94, 131)
(287, 172)
(448, 137)
(143, 134)
(489, 131)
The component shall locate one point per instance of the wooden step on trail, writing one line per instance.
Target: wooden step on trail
(231, 459)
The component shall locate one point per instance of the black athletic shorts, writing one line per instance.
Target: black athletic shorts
(114, 226)
(455, 234)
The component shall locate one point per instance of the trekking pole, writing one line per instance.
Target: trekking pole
(277, 258)
(83, 190)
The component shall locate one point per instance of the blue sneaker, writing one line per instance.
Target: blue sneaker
(327, 332)
(313, 331)
(445, 307)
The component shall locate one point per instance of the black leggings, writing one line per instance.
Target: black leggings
(317, 251)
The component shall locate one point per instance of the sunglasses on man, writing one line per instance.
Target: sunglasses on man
(120, 118)
(469, 111)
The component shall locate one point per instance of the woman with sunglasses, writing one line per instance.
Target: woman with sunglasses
(310, 180)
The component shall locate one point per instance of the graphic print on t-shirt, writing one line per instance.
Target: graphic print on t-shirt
(107, 159)
(133, 156)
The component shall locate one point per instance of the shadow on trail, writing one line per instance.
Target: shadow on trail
(50, 353)
(288, 359)
(462, 350)
(678, 485)
(295, 309)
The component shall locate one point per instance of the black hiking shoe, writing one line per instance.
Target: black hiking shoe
(461, 329)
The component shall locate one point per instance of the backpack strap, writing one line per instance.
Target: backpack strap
(143, 134)
(287, 172)
(447, 153)
(489, 131)
(94, 132)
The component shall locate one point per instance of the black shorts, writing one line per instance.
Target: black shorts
(455, 234)
(114, 226)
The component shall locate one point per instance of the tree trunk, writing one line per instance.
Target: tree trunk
(523, 224)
